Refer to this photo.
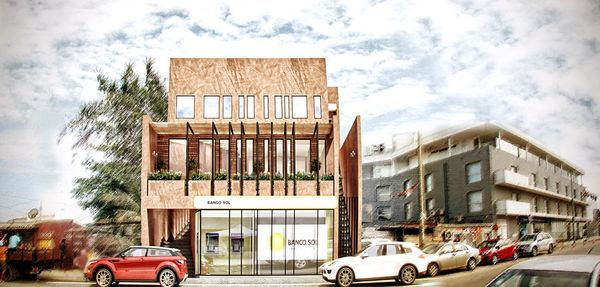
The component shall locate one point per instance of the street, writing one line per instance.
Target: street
(459, 278)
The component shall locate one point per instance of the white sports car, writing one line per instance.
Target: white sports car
(401, 261)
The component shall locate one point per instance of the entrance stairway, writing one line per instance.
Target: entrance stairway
(182, 242)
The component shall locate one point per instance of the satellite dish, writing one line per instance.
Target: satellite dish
(33, 213)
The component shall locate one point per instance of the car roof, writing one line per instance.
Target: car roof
(394, 242)
(569, 263)
(154, 247)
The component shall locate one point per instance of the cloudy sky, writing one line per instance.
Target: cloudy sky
(532, 65)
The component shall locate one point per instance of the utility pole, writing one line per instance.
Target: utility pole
(421, 193)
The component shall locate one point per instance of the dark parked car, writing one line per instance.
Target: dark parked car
(552, 271)
(139, 263)
(494, 250)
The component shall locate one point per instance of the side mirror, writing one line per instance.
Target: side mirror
(122, 255)
(364, 255)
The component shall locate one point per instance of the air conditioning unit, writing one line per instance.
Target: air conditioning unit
(377, 148)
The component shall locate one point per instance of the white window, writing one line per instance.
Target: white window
(383, 193)
(384, 213)
(299, 107)
(249, 157)
(185, 107)
(286, 107)
(546, 185)
(227, 107)
(211, 107)
(317, 104)
(429, 182)
(473, 172)
(250, 107)
(266, 107)
(407, 211)
(533, 179)
(429, 203)
(241, 107)
(407, 184)
(278, 105)
(266, 155)
(474, 200)
(382, 170)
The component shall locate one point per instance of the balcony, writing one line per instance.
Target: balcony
(176, 188)
(521, 182)
(518, 208)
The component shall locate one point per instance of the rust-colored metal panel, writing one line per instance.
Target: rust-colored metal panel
(351, 176)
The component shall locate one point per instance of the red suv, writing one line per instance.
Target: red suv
(494, 250)
(139, 263)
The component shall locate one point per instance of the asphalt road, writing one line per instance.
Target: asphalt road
(460, 278)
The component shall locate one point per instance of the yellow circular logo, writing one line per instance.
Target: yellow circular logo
(277, 241)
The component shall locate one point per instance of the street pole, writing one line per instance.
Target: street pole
(421, 194)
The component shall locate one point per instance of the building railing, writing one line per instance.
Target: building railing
(518, 181)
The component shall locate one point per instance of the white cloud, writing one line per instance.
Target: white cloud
(402, 65)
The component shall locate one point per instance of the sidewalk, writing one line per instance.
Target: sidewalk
(579, 242)
(297, 280)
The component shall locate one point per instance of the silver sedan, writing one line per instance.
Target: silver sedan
(450, 255)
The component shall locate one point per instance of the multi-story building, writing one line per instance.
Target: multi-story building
(485, 178)
(243, 177)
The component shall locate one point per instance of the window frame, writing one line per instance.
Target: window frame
(428, 182)
(204, 106)
(469, 204)
(230, 107)
(293, 108)
(467, 174)
(265, 107)
(248, 109)
(241, 107)
(193, 106)
(319, 105)
(278, 112)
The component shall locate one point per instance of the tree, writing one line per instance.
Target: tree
(109, 130)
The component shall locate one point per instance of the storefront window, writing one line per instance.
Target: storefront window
(303, 156)
(265, 242)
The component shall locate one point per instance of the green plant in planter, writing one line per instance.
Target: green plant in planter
(165, 175)
(221, 175)
(264, 176)
(251, 176)
(200, 176)
(315, 166)
(278, 176)
(327, 177)
(235, 176)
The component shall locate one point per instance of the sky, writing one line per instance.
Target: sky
(401, 65)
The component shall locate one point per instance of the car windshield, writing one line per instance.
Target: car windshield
(526, 278)
(432, 248)
(528, 237)
(487, 244)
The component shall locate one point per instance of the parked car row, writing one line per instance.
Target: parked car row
(405, 262)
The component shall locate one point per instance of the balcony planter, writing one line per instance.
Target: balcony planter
(327, 187)
(279, 187)
(265, 187)
(305, 187)
(199, 187)
(250, 187)
(235, 187)
(220, 187)
(166, 187)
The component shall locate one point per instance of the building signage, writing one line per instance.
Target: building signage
(300, 241)
(265, 202)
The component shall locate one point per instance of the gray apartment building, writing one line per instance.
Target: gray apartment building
(482, 180)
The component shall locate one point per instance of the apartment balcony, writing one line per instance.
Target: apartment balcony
(176, 188)
(520, 182)
(518, 208)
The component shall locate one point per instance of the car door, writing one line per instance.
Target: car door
(446, 257)
(395, 257)
(541, 242)
(461, 255)
(371, 263)
(131, 264)
(502, 250)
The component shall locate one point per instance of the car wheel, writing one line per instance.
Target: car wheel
(515, 255)
(167, 278)
(471, 264)
(299, 264)
(550, 249)
(433, 269)
(534, 251)
(103, 277)
(494, 259)
(408, 274)
(345, 277)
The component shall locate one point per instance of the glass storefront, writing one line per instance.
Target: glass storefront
(264, 242)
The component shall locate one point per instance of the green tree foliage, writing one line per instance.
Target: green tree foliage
(109, 131)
